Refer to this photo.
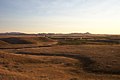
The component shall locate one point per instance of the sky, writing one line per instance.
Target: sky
(60, 16)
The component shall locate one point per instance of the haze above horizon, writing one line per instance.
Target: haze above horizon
(60, 16)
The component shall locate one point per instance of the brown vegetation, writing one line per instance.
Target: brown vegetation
(43, 58)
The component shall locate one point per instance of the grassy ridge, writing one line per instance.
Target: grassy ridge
(83, 41)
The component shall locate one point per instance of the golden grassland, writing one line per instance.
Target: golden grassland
(43, 58)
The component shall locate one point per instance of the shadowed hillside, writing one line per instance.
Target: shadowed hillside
(25, 42)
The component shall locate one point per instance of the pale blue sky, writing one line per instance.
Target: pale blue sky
(60, 16)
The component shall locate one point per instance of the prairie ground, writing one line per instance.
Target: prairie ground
(41, 58)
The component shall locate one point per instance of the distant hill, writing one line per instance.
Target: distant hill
(12, 33)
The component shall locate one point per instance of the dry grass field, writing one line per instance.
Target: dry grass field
(60, 58)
